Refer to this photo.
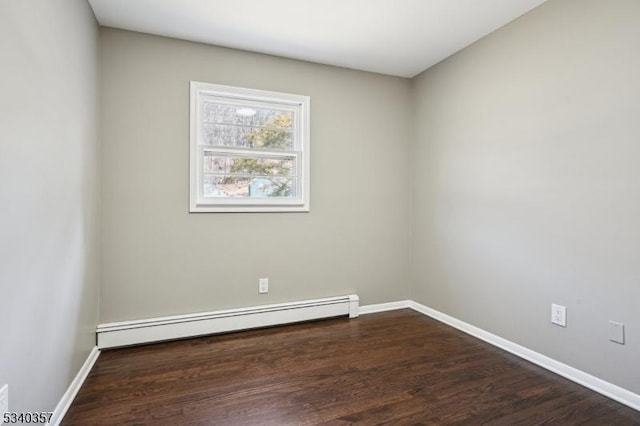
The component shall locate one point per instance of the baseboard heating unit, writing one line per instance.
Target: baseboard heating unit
(150, 330)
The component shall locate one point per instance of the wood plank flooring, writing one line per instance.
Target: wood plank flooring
(396, 368)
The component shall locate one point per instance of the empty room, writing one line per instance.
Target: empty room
(281, 212)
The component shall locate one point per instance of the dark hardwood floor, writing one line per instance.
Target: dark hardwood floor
(394, 368)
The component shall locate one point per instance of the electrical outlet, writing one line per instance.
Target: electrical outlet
(263, 285)
(616, 332)
(559, 315)
(4, 402)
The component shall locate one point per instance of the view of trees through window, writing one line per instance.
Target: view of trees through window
(249, 152)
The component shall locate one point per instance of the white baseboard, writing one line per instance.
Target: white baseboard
(605, 388)
(181, 326)
(382, 307)
(64, 404)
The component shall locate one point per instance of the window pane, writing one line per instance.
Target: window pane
(221, 113)
(242, 166)
(236, 136)
(230, 186)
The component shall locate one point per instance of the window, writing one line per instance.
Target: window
(249, 150)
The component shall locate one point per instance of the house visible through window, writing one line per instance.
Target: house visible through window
(249, 150)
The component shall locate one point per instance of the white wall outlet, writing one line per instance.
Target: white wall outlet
(559, 315)
(4, 402)
(263, 285)
(616, 332)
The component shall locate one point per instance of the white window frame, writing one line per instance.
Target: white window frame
(298, 104)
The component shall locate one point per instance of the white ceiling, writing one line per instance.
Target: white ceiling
(396, 37)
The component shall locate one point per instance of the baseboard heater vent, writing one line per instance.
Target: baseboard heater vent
(150, 330)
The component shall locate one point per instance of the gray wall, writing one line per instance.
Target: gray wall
(527, 183)
(157, 259)
(48, 197)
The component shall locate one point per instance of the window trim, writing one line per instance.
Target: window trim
(298, 103)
